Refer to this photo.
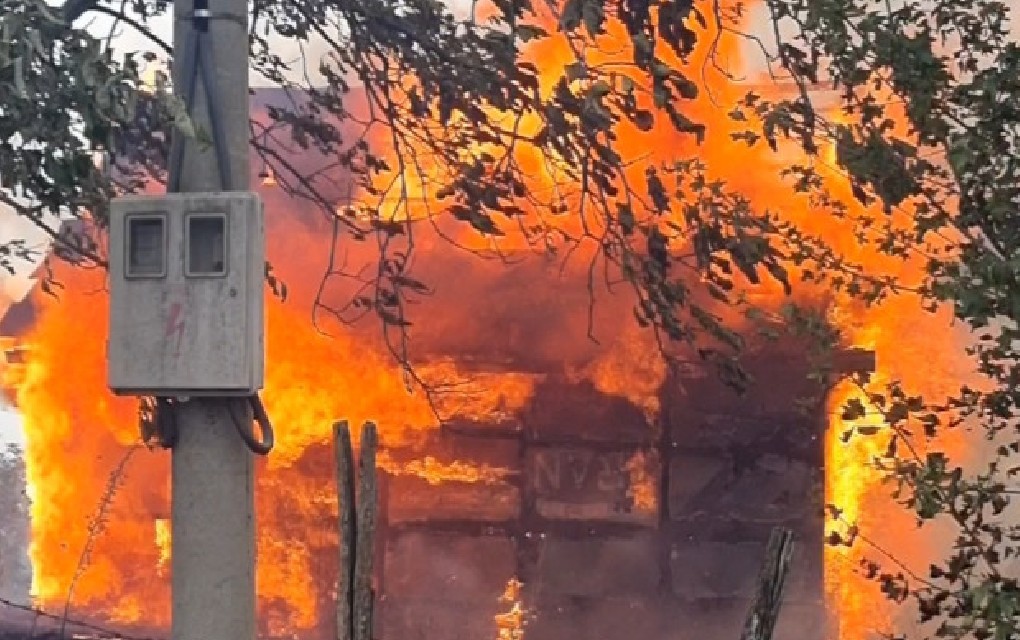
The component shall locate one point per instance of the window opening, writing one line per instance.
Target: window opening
(207, 245)
(146, 250)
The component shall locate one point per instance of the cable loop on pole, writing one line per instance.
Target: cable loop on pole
(258, 447)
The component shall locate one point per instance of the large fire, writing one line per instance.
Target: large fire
(78, 434)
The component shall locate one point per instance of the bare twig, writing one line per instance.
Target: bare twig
(96, 527)
(122, 16)
(81, 624)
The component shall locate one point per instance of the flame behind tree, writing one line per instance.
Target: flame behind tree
(926, 136)
(489, 126)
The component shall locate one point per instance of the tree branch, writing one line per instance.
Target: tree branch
(136, 25)
(74, 9)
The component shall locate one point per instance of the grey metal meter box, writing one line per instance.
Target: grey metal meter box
(186, 294)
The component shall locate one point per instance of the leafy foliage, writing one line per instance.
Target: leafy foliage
(948, 69)
(436, 116)
(65, 100)
(463, 107)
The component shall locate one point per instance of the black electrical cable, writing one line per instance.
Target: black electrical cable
(198, 60)
(164, 412)
(205, 62)
(200, 15)
(247, 434)
(190, 70)
(165, 418)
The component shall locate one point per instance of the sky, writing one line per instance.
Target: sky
(11, 431)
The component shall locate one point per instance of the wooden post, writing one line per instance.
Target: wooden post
(345, 498)
(365, 534)
(761, 620)
(357, 519)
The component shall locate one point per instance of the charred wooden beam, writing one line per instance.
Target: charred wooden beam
(382, 528)
(533, 526)
(365, 551)
(761, 620)
(497, 430)
(345, 496)
(357, 521)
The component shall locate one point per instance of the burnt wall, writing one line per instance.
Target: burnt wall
(739, 466)
(618, 526)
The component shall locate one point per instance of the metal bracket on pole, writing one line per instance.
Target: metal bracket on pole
(206, 14)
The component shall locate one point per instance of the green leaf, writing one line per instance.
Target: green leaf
(35, 39)
(570, 18)
(19, 78)
(643, 119)
(574, 71)
(625, 216)
(593, 12)
(529, 32)
(600, 89)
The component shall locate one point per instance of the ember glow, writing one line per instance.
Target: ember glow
(510, 624)
(850, 489)
(163, 540)
(641, 488)
(77, 432)
(435, 472)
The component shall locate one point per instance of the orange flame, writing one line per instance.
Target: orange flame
(510, 624)
(163, 544)
(641, 485)
(435, 472)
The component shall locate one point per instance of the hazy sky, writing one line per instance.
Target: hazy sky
(10, 428)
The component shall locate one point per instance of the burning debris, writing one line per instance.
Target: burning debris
(510, 624)
(435, 472)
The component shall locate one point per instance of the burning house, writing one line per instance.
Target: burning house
(615, 521)
(597, 514)
(622, 498)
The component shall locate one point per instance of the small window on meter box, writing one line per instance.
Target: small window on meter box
(206, 245)
(146, 246)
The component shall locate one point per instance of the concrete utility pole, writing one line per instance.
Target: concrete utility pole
(213, 504)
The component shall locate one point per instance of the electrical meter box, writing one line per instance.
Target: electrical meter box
(186, 294)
